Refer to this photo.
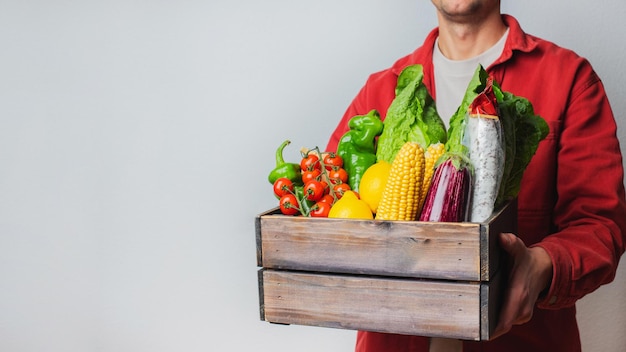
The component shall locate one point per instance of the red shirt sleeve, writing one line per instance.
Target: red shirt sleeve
(590, 210)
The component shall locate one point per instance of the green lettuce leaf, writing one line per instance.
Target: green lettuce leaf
(458, 120)
(529, 130)
(412, 116)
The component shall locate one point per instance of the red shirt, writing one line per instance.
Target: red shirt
(572, 200)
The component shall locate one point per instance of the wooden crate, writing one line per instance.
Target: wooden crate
(406, 277)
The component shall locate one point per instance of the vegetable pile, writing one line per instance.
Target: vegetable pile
(434, 174)
(310, 187)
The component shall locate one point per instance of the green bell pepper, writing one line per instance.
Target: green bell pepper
(284, 169)
(357, 147)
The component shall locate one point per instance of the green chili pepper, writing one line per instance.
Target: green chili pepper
(357, 147)
(305, 204)
(284, 169)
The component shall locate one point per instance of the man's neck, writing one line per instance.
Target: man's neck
(464, 40)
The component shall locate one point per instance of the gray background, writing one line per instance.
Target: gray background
(135, 140)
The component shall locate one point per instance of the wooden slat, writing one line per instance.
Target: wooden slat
(395, 305)
(261, 295)
(372, 247)
(456, 251)
(503, 220)
(490, 301)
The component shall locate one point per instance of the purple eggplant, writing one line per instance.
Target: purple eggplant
(448, 197)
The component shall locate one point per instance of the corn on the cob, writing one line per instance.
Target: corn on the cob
(402, 195)
(431, 155)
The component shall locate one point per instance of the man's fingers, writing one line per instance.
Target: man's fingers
(511, 243)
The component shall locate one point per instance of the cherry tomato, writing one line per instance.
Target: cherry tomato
(289, 204)
(327, 198)
(340, 188)
(283, 186)
(326, 188)
(313, 190)
(311, 175)
(310, 162)
(320, 210)
(332, 160)
(338, 175)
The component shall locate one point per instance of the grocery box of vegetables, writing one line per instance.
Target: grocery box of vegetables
(397, 230)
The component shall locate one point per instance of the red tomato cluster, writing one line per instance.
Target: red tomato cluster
(324, 181)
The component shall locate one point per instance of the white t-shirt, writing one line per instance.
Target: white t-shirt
(453, 76)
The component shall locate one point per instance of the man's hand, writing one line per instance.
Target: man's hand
(530, 273)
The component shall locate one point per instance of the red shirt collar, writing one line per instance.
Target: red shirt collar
(517, 40)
